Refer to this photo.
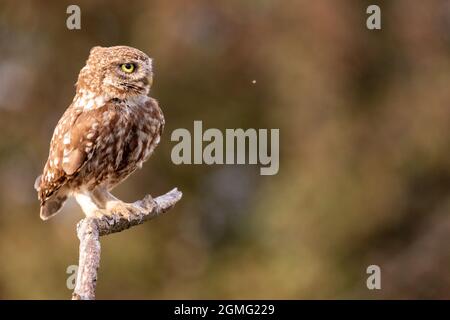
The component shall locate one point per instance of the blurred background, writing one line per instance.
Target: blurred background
(364, 119)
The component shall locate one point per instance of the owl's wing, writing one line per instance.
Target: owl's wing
(71, 146)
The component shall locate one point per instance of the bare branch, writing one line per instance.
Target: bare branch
(90, 230)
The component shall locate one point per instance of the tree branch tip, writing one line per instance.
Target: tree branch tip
(90, 229)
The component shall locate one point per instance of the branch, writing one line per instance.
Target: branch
(90, 230)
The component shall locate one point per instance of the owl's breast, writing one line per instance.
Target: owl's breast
(127, 137)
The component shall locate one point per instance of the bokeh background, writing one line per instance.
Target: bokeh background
(364, 119)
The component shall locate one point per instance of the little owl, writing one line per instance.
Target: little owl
(109, 130)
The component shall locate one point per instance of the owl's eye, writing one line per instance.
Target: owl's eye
(127, 67)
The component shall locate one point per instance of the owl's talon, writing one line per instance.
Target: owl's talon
(98, 214)
(124, 210)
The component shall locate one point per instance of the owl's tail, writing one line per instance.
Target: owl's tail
(52, 205)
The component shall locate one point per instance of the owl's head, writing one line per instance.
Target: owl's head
(118, 72)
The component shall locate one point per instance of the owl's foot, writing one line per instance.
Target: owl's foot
(123, 209)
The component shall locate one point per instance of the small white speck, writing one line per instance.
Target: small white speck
(99, 101)
(254, 81)
(89, 105)
(66, 139)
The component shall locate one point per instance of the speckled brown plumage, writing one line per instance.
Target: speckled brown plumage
(109, 130)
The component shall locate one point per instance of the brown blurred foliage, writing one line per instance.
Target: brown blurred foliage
(364, 120)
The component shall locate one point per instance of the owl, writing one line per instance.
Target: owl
(110, 129)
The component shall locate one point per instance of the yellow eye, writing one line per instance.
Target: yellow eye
(127, 67)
